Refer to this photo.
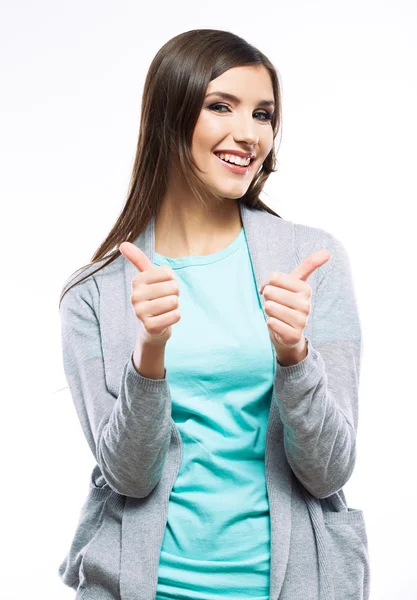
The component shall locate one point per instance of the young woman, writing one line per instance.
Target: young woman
(212, 350)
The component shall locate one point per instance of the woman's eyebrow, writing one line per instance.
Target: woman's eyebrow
(232, 98)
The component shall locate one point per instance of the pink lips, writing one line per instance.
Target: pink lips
(236, 153)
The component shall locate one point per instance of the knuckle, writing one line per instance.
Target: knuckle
(151, 327)
(134, 299)
(299, 318)
(136, 281)
(303, 321)
(138, 310)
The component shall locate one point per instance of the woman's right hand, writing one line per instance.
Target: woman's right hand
(155, 292)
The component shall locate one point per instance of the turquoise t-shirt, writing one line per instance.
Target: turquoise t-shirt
(220, 367)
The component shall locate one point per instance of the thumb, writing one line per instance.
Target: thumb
(135, 256)
(311, 263)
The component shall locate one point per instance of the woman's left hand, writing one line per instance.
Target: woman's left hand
(288, 303)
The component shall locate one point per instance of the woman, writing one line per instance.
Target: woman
(223, 420)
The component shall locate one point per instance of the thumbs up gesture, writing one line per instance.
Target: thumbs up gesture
(155, 292)
(288, 305)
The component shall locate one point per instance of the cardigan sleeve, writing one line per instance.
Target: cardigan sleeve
(318, 397)
(130, 434)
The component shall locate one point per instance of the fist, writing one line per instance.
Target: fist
(154, 297)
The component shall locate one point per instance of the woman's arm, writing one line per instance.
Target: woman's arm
(318, 397)
(129, 434)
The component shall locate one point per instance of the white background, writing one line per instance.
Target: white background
(72, 77)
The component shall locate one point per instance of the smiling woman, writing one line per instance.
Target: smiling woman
(222, 438)
(225, 137)
(213, 92)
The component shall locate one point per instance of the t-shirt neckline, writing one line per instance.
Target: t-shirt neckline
(183, 261)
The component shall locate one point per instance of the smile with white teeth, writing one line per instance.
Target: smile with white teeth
(236, 160)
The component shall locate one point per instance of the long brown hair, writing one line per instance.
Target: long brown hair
(173, 96)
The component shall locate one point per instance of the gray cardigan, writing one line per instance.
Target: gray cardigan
(319, 547)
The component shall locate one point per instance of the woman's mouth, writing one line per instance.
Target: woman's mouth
(235, 168)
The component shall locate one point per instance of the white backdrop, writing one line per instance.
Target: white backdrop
(72, 77)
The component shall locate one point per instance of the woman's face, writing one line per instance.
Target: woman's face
(226, 124)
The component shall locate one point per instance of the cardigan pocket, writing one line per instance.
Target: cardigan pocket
(347, 547)
(87, 529)
(101, 563)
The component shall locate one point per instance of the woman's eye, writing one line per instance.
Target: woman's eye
(267, 115)
(216, 106)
